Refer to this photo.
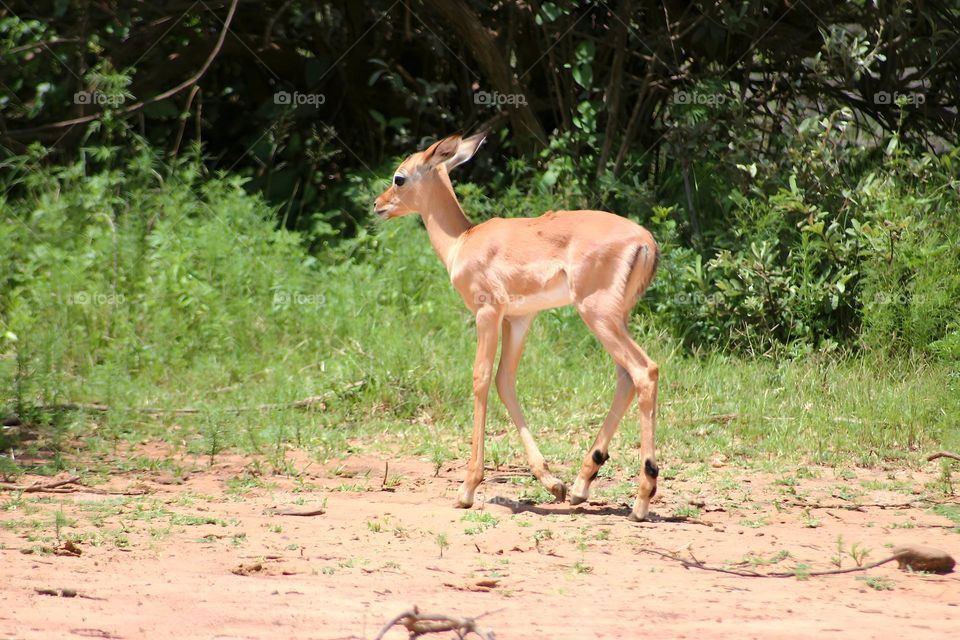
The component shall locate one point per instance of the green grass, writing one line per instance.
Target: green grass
(880, 485)
(950, 511)
(755, 560)
(785, 411)
(482, 520)
(686, 511)
(755, 524)
(193, 521)
(878, 583)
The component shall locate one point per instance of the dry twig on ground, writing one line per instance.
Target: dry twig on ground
(942, 454)
(297, 512)
(419, 624)
(50, 487)
(60, 486)
(913, 557)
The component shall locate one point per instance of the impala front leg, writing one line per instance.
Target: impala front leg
(488, 334)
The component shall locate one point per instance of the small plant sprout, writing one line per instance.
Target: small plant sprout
(442, 542)
(837, 560)
(809, 520)
(946, 476)
(439, 455)
(212, 432)
(859, 553)
(540, 535)
(60, 521)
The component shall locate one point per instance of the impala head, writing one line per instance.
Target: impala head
(421, 171)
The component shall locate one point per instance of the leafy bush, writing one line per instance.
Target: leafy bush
(130, 270)
(113, 276)
(143, 284)
(840, 252)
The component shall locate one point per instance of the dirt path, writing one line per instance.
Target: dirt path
(207, 559)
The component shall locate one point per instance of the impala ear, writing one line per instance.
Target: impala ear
(466, 149)
(453, 150)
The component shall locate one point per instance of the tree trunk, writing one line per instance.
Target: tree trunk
(468, 29)
(613, 99)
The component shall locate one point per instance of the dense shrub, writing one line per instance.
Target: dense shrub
(823, 249)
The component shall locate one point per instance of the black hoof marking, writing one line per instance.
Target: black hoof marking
(650, 468)
(560, 492)
(653, 492)
(599, 457)
(594, 476)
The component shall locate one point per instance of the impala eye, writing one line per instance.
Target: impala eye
(399, 180)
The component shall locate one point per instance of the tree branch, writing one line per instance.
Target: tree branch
(40, 488)
(613, 95)
(470, 30)
(189, 82)
(913, 557)
(419, 624)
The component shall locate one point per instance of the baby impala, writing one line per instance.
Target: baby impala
(507, 270)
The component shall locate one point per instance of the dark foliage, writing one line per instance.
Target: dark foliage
(647, 86)
(796, 159)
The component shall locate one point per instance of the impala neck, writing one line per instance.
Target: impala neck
(443, 217)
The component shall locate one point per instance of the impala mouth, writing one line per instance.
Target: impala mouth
(382, 212)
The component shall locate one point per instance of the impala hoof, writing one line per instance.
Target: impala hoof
(575, 499)
(640, 510)
(465, 497)
(559, 491)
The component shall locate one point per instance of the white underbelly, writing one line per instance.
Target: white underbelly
(557, 295)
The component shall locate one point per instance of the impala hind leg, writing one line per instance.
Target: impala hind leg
(514, 333)
(488, 334)
(597, 454)
(645, 376)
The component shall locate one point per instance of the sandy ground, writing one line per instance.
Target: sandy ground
(202, 555)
